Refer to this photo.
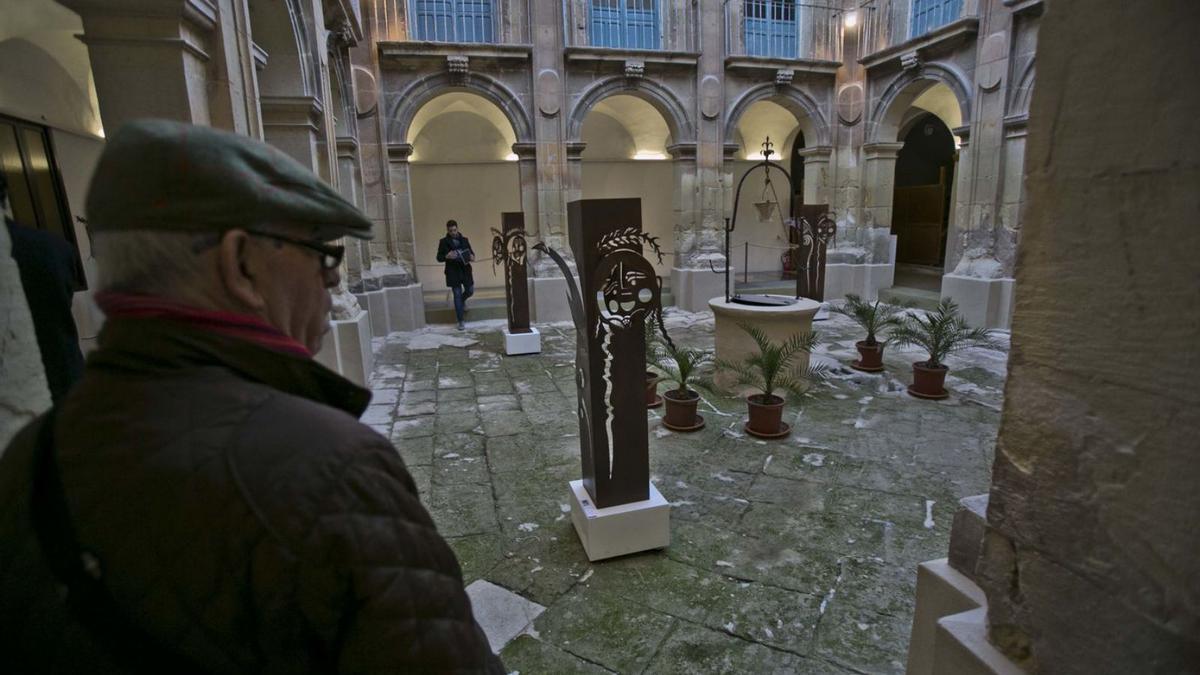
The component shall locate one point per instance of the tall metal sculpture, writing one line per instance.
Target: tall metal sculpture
(810, 235)
(509, 249)
(620, 293)
(766, 166)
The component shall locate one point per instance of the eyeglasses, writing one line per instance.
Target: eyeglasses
(331, 254)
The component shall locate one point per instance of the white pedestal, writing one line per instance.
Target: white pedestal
(375, 302)
(522, 343)
(941, 591)
(548, 299)
(620, 530)
(405, 307)
(987, 303)
(693, 288)
(863, 280)
(347, 349)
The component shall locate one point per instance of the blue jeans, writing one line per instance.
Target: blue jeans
(461, 293)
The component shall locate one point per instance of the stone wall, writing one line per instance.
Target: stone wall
(1090, 561)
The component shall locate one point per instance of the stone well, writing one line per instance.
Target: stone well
(779, 322)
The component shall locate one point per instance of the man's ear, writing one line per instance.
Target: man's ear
(239, 266)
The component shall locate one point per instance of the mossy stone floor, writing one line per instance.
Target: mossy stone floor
(790, 556)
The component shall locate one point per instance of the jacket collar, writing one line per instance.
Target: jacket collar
(154, 345)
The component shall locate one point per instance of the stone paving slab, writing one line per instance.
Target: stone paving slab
(789, 556)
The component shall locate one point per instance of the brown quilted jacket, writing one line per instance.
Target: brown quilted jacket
(240, 518)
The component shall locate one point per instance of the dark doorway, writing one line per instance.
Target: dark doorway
(921, 202)
(35, 192)
(797, 171)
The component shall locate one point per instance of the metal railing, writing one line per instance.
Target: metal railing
(631, 24)
(783, 29)
(886, 23)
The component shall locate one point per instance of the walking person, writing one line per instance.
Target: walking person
(455, 251)
(204, 499)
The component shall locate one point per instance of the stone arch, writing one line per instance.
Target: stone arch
(888, 114)
(808, 114)
(403, 107)
(1023, 92)
(664, 101)
(341, 90)
(284, 31)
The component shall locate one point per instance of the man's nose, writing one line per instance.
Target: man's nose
(333, 277)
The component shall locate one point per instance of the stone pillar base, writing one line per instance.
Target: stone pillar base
(620, 530)
(405, 307)
(548, 299)
(941, 591)
(863, 279)
(983, 302)
(376, 305)
(693, 288)
(962, 648)
(347, 349)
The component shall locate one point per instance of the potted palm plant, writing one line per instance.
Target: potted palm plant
(875, 318)
(653, 400)
(681, 366)
(941, 333)
(771, 371)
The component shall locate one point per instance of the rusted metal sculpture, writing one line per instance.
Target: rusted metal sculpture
(509, 249)
(810, 236)
(620, 292)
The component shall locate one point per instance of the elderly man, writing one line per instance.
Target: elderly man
(205, 500)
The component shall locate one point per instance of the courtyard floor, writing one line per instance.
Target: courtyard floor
(790, 556)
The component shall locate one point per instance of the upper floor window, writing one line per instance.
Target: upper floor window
(628, 24)
(771, 28)
(453, 20)
(930, 14)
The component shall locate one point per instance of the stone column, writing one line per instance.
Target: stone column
(350, 186)
(878, 183)
(547, 286)
(976, 280)
(817, 174)
(1089, 562)
(527, 170)
(405, 304)
(152, 58)
(294, 124)
(692, 281)
(701, 174)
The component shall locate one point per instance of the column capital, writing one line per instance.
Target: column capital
(575, 150)
(816, 153)
(525, 150)
(292, 111)
(399, 152)
(681, 151)
(729, 150)
(881, 150)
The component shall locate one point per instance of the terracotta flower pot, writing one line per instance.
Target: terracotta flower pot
(653, 400)
(870, 357)
(928, 382)
(766, 415)
(680, 411)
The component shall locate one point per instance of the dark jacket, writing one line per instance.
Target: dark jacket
(241, 514)
(457, 271)
(50, 277)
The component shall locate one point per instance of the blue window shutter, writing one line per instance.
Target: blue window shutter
(930, 14)
(629, 24)
(770, 27)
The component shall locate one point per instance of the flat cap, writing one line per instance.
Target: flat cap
(165, 175)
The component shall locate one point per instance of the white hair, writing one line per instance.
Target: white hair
(149, 261)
